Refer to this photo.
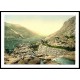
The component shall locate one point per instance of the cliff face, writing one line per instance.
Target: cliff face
(63, 41)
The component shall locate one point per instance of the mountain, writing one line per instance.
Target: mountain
(16, 31)
(61, 42)
(65, 36)
(16, 34)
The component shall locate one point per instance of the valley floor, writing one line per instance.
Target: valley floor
(39, 59)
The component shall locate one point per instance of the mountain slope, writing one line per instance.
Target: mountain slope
(16, 34)
(62, 42)
(12, 29)
(65, 36)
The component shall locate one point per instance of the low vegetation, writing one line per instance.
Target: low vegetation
(60, 47)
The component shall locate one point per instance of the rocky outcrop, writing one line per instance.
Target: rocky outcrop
(50, 51)
(21, 55)
(23, 49)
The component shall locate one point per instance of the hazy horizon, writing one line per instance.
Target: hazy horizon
(40, 24)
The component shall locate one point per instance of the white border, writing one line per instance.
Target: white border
(40, 66)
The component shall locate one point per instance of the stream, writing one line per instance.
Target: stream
(65, 61)
(61, 60)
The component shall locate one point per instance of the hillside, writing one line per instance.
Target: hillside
(16, 34)
(65, 36)
(62, 43)
(16, 31)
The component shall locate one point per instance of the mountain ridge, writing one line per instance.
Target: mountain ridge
(66, 33)
(62, 42)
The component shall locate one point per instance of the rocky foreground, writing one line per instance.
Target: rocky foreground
(25, 55)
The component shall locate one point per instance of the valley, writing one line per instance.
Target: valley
(23, 46)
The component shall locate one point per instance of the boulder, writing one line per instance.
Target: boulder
(36, 60)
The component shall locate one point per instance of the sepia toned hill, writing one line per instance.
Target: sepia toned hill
(65, 36)
(62, 42)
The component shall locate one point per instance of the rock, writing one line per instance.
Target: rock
(36, 60)
(21, 61)
(23, 49)
(45, 50)
(39, 55)
(13, 60)
(26, 60)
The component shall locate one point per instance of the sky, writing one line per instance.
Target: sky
(41, 24)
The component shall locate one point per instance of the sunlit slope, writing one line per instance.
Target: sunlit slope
(65, 36)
